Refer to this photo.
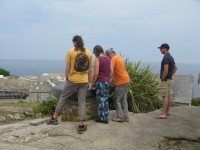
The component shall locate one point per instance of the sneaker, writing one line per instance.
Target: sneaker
(81, 129)
(101, 121)
(126, 119)
(52, 121)
(118, 119)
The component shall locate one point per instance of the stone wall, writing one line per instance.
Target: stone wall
(38, 97)
(14, 83)
(40, 87)
(182, 86)
(70, 110)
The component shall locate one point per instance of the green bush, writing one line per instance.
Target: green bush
(196, 101)
(30, 114)
(4, 72)
(47, 107)
(143, 89)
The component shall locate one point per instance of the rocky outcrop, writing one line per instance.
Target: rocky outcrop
(180, 130)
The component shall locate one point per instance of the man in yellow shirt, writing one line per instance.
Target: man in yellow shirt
(121, 80)
(78, 74)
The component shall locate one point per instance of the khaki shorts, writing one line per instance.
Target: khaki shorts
(165, 88)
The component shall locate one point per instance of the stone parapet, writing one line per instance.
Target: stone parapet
(182, 86)
(70, 111)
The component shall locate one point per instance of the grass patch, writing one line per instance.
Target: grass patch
(20, 104)
(196, 101)
(6, 109)
(7, 112)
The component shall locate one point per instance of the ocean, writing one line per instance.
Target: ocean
(38, 67)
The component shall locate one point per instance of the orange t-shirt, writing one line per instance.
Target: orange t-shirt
(120, 75)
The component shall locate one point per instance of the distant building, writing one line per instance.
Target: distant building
(1, 76)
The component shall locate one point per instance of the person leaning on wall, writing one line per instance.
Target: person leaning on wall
(100, 81)
(78, 74)
(121, 80)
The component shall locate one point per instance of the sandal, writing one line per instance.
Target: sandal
(168, 114)
(161, 117)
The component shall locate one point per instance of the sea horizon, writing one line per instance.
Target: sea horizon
(28, 67)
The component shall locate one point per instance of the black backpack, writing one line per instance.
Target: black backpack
(81, 63)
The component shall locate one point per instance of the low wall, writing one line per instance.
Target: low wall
(14, 83)
(40, 90)
(70, 110)
(182, 86)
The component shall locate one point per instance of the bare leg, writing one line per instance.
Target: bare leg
(165, 106)
(55, 115)
(81, 123)
(169, 102)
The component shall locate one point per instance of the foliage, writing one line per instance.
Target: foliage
(110, 98)
(196, 101)
(4, 72)
(143, 89)
(30, 114)
(47, 107)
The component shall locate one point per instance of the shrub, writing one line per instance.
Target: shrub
(196, 101)
(47, 107)
(30, 114)
(143, 89)
(4, 72)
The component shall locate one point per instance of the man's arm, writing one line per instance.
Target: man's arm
(174, 70)
(111, 71)
(96, 71)
(90, 73)
(165, 72)
(199, 79)
(67, 70)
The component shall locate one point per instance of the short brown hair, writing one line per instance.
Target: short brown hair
(110, 50)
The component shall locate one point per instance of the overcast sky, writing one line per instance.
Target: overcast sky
(43, 29)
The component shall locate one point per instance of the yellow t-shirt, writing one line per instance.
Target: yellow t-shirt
(120, 75)
(74, 76)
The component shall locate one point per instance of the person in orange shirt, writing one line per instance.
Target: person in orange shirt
(121, 80)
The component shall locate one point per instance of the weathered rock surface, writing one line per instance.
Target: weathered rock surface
(181, 131)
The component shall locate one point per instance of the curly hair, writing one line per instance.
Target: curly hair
(79, 43)
(97, 50)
